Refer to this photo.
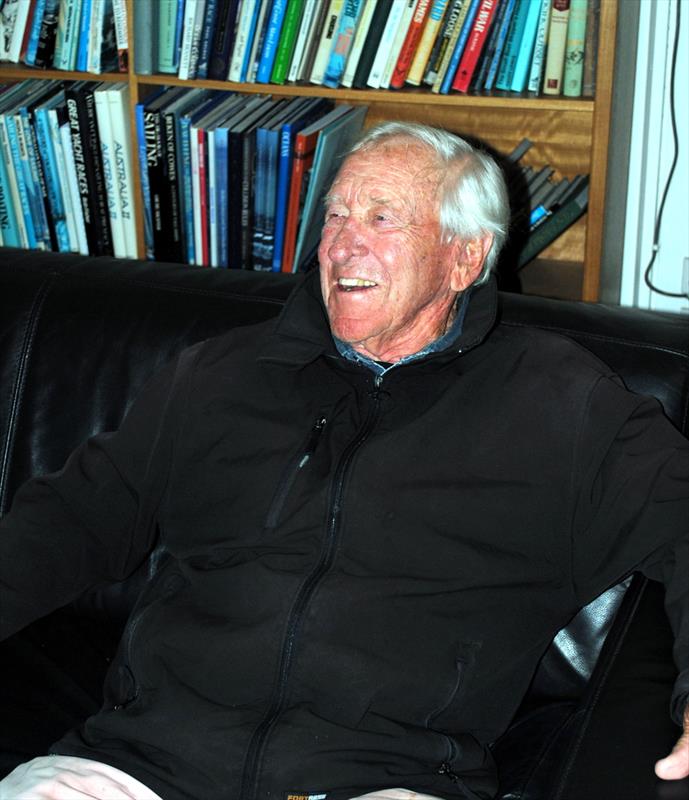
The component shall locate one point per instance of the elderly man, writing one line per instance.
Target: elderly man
(354, 512)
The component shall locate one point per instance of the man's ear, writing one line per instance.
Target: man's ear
(469, 257)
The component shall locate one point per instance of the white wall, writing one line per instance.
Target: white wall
(651, 152)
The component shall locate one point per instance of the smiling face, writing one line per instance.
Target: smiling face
(389, 282)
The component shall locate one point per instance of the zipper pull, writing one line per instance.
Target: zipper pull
(312, 442)
(446, 769)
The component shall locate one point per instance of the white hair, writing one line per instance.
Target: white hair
(474, 199)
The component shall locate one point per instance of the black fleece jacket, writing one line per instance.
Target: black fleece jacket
(350, 583)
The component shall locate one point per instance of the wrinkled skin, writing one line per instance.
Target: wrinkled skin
(389, 281)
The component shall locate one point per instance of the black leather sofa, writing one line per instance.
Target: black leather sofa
(79, 336)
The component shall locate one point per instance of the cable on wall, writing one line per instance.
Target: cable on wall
(675, 157)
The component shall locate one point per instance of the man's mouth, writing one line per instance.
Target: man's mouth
(354, 284)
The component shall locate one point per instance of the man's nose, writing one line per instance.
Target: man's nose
(348, 241)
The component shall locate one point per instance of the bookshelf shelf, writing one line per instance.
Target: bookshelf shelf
(572, 135)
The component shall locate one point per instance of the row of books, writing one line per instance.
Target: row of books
(75, 35)
(226, 181)
(445, 45)
(234, 182)
(66, 181)
(547, 205)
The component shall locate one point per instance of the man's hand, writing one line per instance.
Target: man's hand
(676, 765)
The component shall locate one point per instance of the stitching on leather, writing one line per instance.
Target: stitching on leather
(20, 379)
(591, 701)
(579, 334)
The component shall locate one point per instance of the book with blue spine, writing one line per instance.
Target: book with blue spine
(82, 60)
(244, 34)
(513, 45)
(24, 208)
(72, 182)
(308, 113)
(207, 32)
(270, 42)
(526, 48)
(510, 6)
(343, 43)
(34, 31)
(456, 56)
(10, 223)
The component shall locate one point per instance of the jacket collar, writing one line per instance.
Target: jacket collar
(302, 332)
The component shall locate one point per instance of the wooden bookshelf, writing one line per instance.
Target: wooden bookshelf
(572, 135)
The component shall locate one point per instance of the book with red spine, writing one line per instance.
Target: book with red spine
(411, 42)
(475, 43)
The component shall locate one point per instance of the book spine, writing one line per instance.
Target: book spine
(93, 58)
(207, 31)
(574, 49)
(168, 55)
(24, 211)
(588, 88)
(537, 61)
(184, 68)
(176, 230)
(356, 49)
(144, 26)
(212, 199)
(427, 41)
(397, 42)
(10, 225)
(106, 148)
(185, 173)
(11, 160)
(557, 42)
(34, 198)
(53, 115)
(500, 44)
(326, 42)
(34, 32)
(50, 236)
(458, 49)
(475, 43)
(260, 178)
(122, 156)
(283, 56)
(20, 22)
(8, 220)
(94, 170)
(222, 197)
(73, 183)
(512, 46)
(385, 44)
(526, 49)
(307, 18)
(257, 44)
(223, 38)
(67, 34)
(452, 34)
(121, 34)
(410, 43)
(342, 44)
(270, 43)
(312, 42)
(196, 38)
(552, 227)
(47, 36)
(246, 25)
(83, 41)
(154, 164)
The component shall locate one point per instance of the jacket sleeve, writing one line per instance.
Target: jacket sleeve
(92, 521)
(631, 494)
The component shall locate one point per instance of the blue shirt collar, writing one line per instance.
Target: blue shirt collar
(441, 343)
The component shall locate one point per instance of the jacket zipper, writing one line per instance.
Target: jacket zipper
(295, 466)
(259, 738)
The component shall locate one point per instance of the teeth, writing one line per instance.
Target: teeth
(347, 282)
